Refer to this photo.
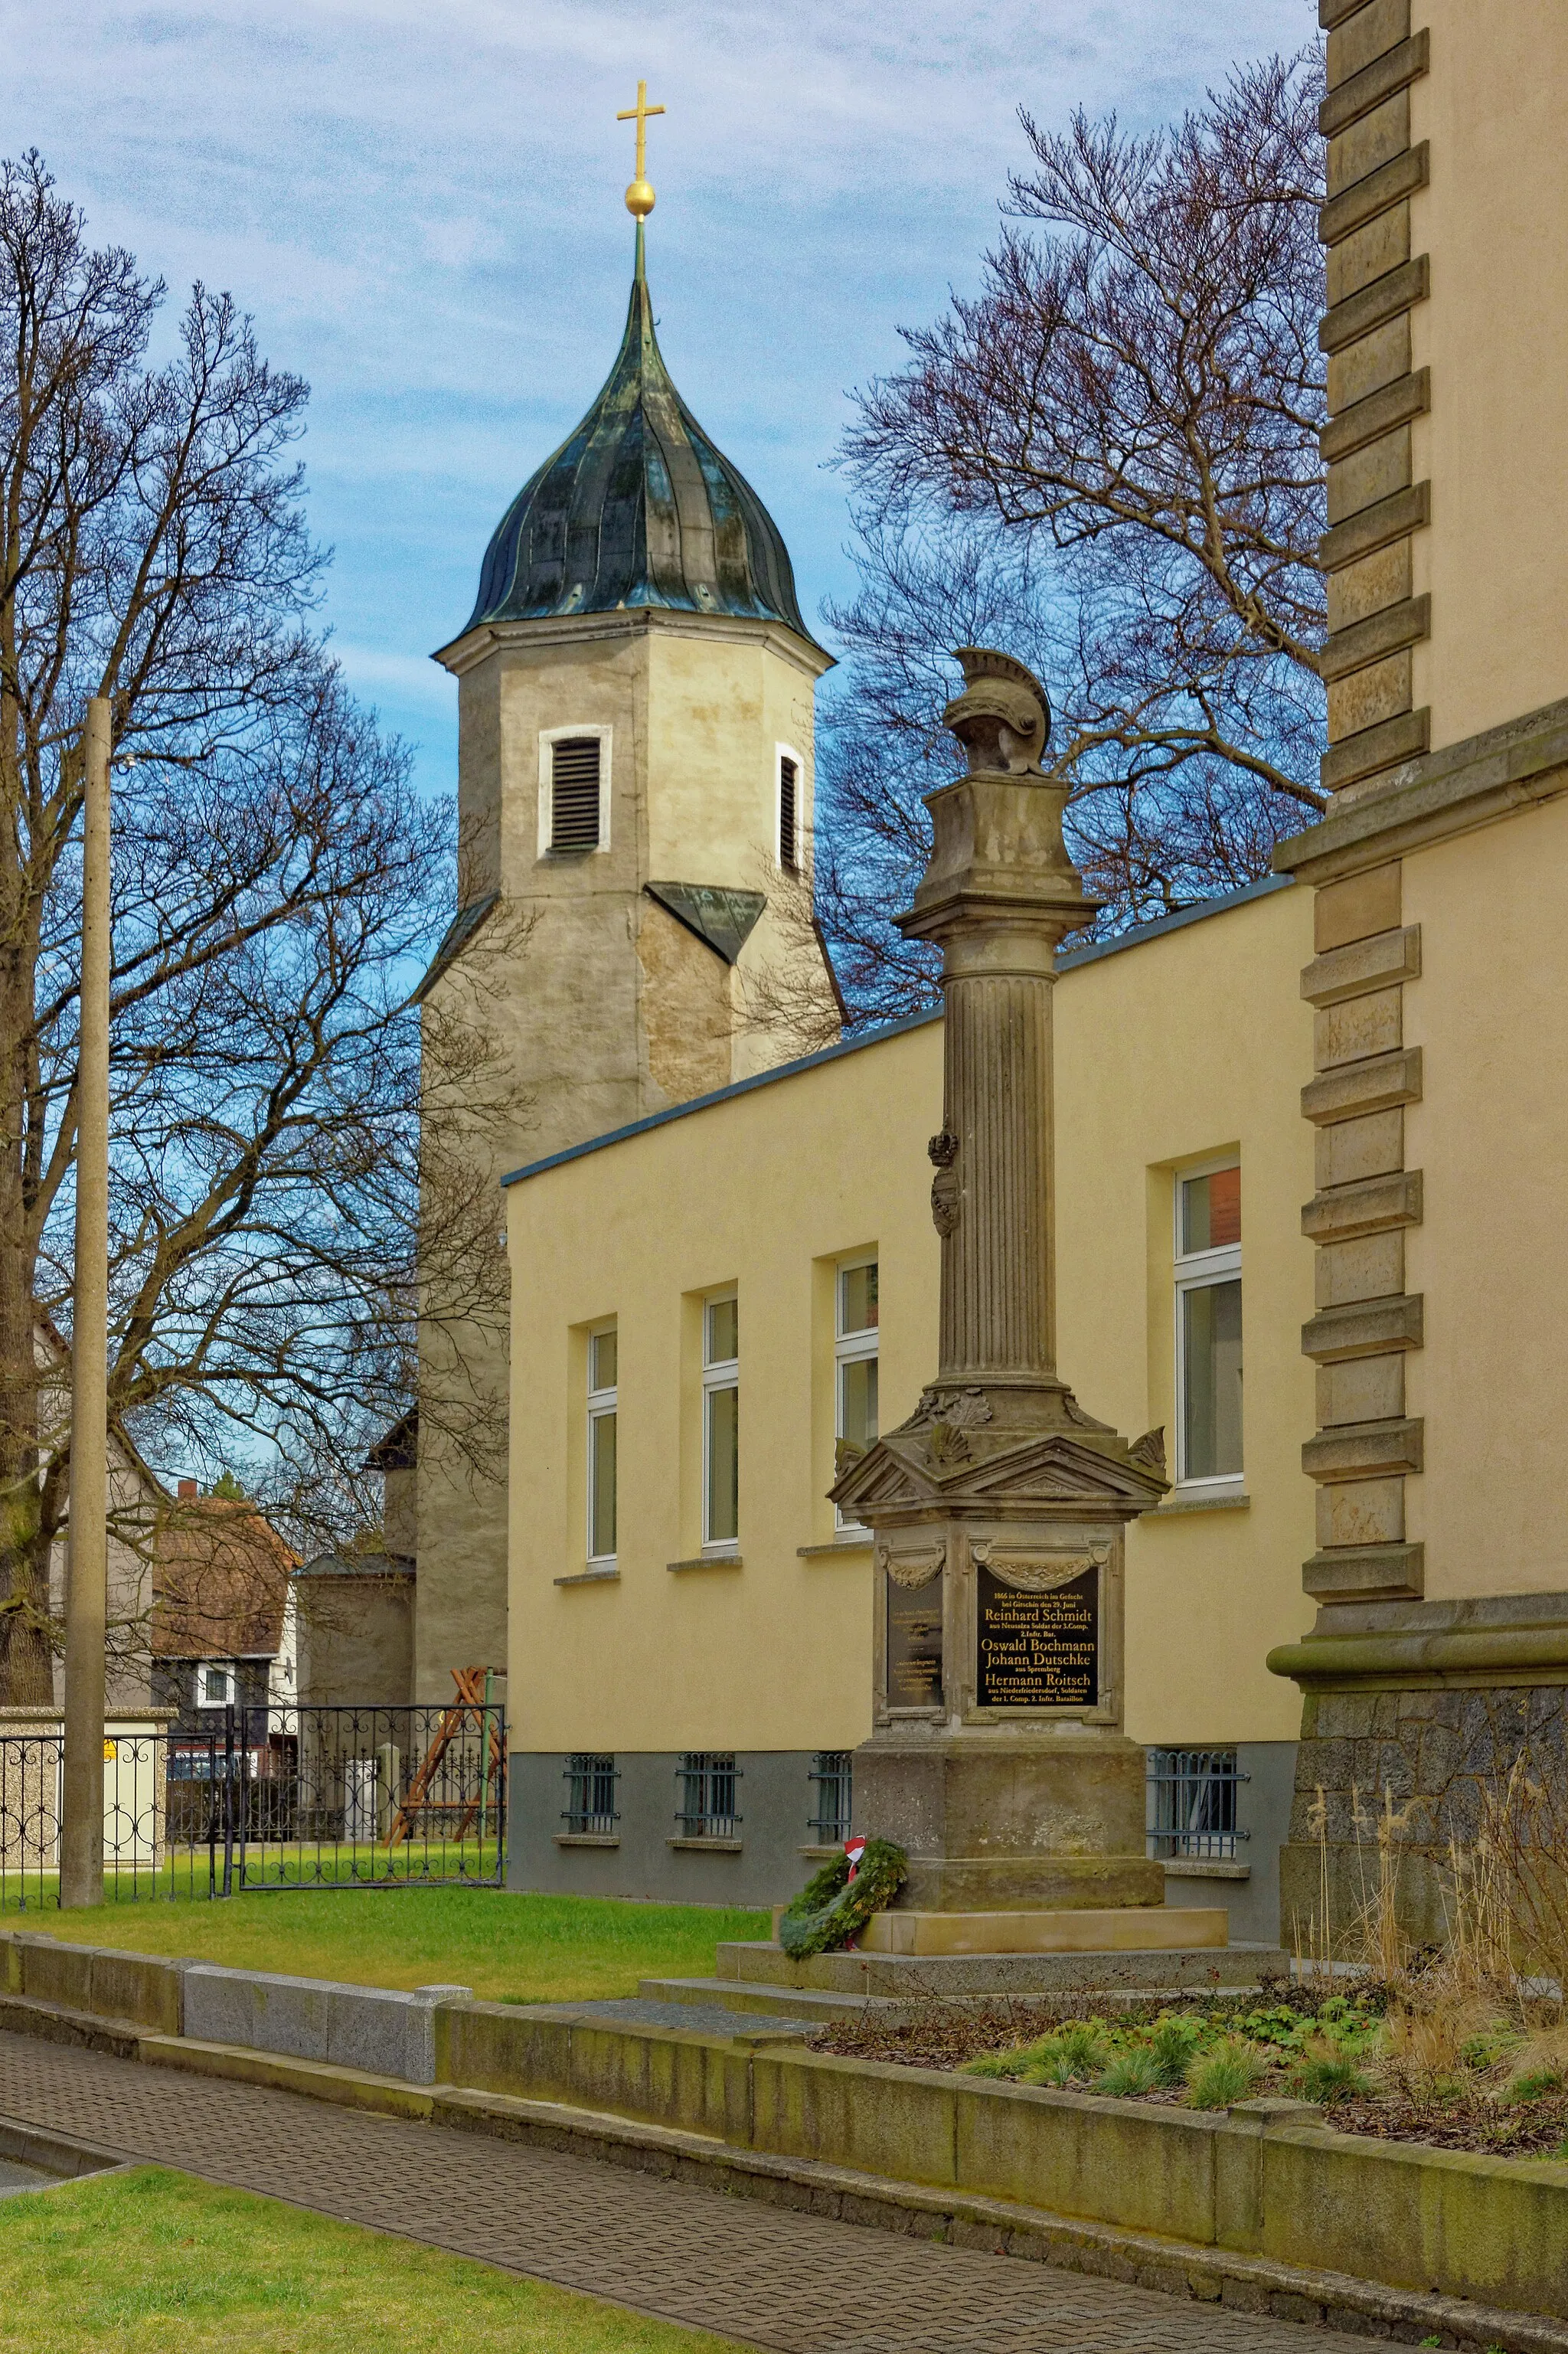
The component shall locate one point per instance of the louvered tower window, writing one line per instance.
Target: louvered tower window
(788, 827)
(574, 793)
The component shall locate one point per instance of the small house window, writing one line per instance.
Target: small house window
(216, 1685)
(603, 1352)
(1209, 1326)
(720, 1425)
(855, 1343)
(590, 1794)
(708, 1807)
(789, 811)
(575, 793)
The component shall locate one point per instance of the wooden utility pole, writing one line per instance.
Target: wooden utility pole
(87, 1572)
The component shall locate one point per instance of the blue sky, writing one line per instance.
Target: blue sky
(421, 202)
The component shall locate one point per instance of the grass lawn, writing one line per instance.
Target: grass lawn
(525, 1949)
(138, 2262)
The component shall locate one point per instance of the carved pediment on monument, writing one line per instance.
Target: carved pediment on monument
(882, 1475)
(1060, 1470)
(960, 1467)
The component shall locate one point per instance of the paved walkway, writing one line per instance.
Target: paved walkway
(798, 2283)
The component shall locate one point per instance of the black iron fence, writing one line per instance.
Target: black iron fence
(269, 1798)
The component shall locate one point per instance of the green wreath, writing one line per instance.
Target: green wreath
(831, 1907)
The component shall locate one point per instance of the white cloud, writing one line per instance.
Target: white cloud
(420, 200)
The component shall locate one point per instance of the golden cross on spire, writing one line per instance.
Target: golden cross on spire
(640, 195)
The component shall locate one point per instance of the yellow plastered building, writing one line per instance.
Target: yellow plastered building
(649, 1673)
(1355, 1601)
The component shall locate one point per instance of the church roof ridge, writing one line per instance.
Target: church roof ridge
(638, 506)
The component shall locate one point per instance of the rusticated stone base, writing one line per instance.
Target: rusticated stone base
(1412, 1714)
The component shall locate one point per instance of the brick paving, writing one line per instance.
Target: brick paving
(768, 2276)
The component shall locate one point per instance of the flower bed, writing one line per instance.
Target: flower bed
(1493, 2084)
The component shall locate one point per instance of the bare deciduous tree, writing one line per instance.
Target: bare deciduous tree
(277, 884)
(1106, 462)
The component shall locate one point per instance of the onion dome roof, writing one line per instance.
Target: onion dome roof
(637, 507)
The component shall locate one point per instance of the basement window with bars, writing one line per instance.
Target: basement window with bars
(590, 1794)
(1193, 1803)
(708, 1807)
(789, 811)
(575, 796)
(832, 1780)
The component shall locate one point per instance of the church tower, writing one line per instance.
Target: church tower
(636, 697)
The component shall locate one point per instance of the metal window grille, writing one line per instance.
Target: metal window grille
(590, 1794)
(707, 1807)
(832, 1779)
(789, 837)
(1192, 1802)
(574, 794)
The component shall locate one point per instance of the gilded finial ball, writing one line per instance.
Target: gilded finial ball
(640, 199)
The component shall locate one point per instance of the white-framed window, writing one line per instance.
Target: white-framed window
(574, 791)
(855, 1342)
(788, 808)
(720, 1425)
(1208, 1263)
(217, 1684)
(603, 1350)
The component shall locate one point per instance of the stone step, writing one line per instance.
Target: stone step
(811, 2008)
(1119, 1929)
(816, 2006)
(915, 1978)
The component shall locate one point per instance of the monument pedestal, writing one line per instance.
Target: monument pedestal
(1004, 1818)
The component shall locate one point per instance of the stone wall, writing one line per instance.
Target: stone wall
(770, 1857)
(1415, 1728)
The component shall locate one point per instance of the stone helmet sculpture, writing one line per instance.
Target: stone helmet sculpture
(1003, 718)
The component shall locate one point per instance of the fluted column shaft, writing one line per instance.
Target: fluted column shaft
(998, 1299)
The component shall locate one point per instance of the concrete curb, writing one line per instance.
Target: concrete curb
(381, 2030)
(1239, 2282)
(65, 2155)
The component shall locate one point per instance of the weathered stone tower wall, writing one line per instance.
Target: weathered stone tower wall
(606, 1006)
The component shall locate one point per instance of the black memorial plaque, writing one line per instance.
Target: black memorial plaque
(1039, 1651)
(914, 1645)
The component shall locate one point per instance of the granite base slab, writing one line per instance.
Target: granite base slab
(386, 2032)
(913, 1978)
(1120, 1929)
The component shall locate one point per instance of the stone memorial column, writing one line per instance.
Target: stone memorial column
(997, 1510)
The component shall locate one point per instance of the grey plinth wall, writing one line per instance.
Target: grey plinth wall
(778, 1798)
(1263, 1812)
(774, 1793)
